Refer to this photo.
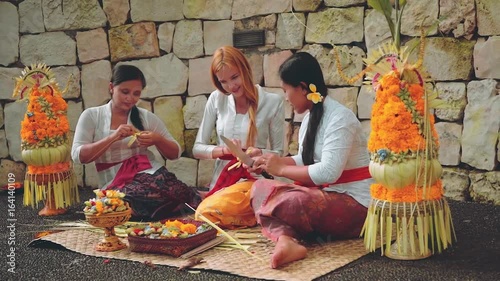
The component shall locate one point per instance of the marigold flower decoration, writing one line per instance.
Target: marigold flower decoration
(45, 144)
(403, 143)
(314, 96)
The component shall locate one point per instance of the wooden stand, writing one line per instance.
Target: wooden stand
(402, 248)
(108, 221)
(50, 209)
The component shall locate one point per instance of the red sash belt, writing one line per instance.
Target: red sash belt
(229, 177)
(356, 174)
(127, 171)
(351, 175)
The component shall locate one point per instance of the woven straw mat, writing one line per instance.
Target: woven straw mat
(321, 259)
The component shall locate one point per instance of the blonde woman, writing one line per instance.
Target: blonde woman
(242, 111)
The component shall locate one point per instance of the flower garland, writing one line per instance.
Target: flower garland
(45, 144)
(407, 194)
(45, 123)
(403, 145)
(40, 170)
(398, 117)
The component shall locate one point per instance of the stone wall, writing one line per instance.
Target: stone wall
(172, 41)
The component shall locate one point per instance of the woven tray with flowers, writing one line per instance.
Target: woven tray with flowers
(170, 237)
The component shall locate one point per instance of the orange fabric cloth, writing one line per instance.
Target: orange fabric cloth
(230, 207)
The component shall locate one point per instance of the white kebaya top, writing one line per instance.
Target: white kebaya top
(340, 145)
(94, 124)
(220, 114)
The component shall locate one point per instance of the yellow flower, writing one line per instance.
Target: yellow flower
(99, 207)
(174, 223)
(115, 201)
(189, 228)
(315, 97)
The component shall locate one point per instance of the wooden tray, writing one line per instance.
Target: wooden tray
(171, 246)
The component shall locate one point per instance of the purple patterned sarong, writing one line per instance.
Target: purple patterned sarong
(158, 195)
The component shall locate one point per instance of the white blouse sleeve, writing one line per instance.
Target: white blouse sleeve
(202, 149)
(84, 133)
(337, 144)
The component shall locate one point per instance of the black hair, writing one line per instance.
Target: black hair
(303, 68)
(123, 73)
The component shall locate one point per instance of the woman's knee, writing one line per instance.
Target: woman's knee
(261, 186)
(260, 191)
(256, 186)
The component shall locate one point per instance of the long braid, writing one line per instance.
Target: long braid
(135, 118)
(253, 99)
(308, 145)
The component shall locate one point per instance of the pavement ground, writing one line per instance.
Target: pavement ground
(475, 256)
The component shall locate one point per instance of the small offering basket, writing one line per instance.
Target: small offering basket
(108, 221)
(174, 246)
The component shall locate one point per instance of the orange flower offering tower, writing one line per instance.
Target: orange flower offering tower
(45, 142)
(407, 199)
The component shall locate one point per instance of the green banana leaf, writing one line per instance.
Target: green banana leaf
(385, 7)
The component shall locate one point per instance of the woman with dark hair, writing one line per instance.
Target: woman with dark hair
(330, 171)
(117, 136)
(250, 116)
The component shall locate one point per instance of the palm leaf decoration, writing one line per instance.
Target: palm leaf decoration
(407, 199)
(385, 7)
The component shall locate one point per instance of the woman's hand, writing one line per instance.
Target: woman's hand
(91, 151)
(147, 138)
(254, 151)
(270, 162)
(251, 151)
(226, 151)
(123, 131)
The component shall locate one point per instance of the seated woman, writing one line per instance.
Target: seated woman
(246, 114)
(103, 134)
(331, 169)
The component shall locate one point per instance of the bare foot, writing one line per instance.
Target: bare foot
(46, 211)
(287, 250)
